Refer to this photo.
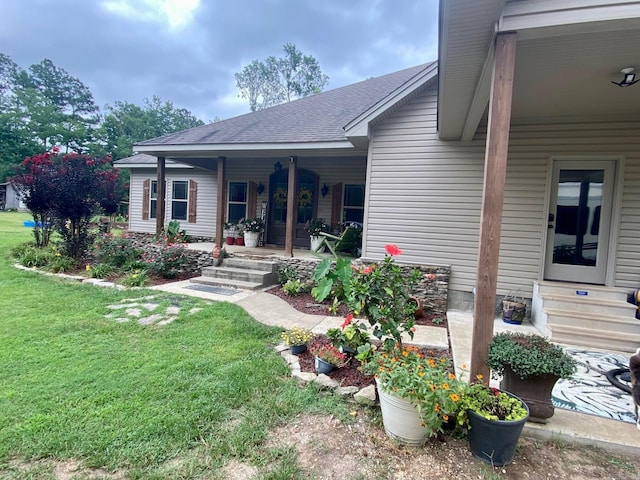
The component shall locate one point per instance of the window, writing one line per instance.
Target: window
(153, 194)
(237, 209)
(179, 197)
(353, 210)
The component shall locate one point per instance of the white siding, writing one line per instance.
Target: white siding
(425, 194)
(206, 206)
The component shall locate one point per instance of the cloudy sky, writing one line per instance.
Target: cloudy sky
(187, 51)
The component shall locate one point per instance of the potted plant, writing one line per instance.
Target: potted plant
(230, 232)
(327, 357)
(495, 420)
(315, 227)
(297, 338)
(530, 366)
(349, 337)
(240, 237)
(252, 228)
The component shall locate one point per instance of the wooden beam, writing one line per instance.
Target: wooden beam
(160, 198)
(292, 207)
(220, 200)
(495, 171)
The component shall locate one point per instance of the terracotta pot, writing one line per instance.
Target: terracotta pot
(240, 241)
(419, 308)
(231, 240)
(535, 391)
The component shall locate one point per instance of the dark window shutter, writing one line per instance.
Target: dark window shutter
(252, 200)
(193, 201)
(336, 204)
(146, 187)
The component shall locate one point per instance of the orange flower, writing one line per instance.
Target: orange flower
(433, 388)
(452, 376)
(347, 321)
(437, 408)
(454, 397)
(445, 418)
(405, 354)
(421, 374)
(445, 386)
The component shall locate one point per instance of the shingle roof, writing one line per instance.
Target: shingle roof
(316, 118)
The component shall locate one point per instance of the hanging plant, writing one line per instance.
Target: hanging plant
(305, 197)
(280, 196)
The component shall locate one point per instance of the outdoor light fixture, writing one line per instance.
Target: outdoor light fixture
(324, 190)
(629, 78)
(277, 166)
(260, 188)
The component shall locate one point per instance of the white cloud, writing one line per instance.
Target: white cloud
(177, 14)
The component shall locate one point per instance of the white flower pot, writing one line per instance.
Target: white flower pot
(401, 419)
(251, 239)
(315, 243)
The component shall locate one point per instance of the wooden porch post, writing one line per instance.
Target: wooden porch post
(292, 207)
(495, 171)
(220, 201)
(160, 198)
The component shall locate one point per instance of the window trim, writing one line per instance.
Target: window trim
(185, 200)
(246, 198)
(352, 207)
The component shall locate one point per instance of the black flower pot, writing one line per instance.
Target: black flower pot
(494, 441)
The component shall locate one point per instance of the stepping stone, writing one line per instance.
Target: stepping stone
(133, 312)
(150, 319)
(173, 310)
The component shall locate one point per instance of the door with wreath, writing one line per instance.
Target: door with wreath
(306, 192)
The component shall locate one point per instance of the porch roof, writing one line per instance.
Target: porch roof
(314, 122)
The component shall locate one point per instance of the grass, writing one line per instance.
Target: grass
(76, 385)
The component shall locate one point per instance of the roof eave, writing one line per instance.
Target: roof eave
(358, 128)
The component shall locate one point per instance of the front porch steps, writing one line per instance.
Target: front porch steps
(238, 272)
(586, 315)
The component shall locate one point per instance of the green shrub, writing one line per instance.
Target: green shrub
(34, 257)
(60, 263)
(173, 233)
(115, 251)
(101, 270)
(295, 287)
(135, 278)
(166, 259)
(286, 273)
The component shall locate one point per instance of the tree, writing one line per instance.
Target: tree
(127, 124)
(65, 192)
(279, 80)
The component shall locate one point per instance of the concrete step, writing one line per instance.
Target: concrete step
(251, 264)
(613, 324)
(582, 290)
(227, 282)
(587, 304)
(600, 339)
(246, 274)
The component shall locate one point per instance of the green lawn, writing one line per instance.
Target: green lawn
(149, 402)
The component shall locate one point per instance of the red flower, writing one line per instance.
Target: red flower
(393, 250)
(347, 321)
(55, 150)
(367, 270)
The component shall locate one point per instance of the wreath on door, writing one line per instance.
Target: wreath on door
(305, 197)
(280, 196)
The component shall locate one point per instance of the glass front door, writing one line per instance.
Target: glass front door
(579, 221)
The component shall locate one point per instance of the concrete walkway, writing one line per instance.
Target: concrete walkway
(564, 425)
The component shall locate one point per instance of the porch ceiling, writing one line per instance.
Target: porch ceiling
(563, 72)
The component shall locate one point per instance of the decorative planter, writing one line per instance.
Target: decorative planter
(251, 239)
(315, 243)
(240, 241)
(401, 419)
(231, 240)
(322, 366)
(494, 441)
(298, 349)
(535, 391)
(419, 308)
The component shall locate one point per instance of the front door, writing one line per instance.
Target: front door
(579, 221)
(306, 189)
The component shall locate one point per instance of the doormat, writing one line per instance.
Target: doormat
(213, 289)
(590, 391)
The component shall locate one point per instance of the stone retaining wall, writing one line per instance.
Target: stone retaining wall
(433, 293)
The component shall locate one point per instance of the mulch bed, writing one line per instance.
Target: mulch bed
(350, 374)
(305, 303)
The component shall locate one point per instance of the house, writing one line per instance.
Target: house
(10, 198)
(515, 159)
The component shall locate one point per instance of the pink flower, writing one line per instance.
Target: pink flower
(430, 276)
(393, 250)
(55, 150)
